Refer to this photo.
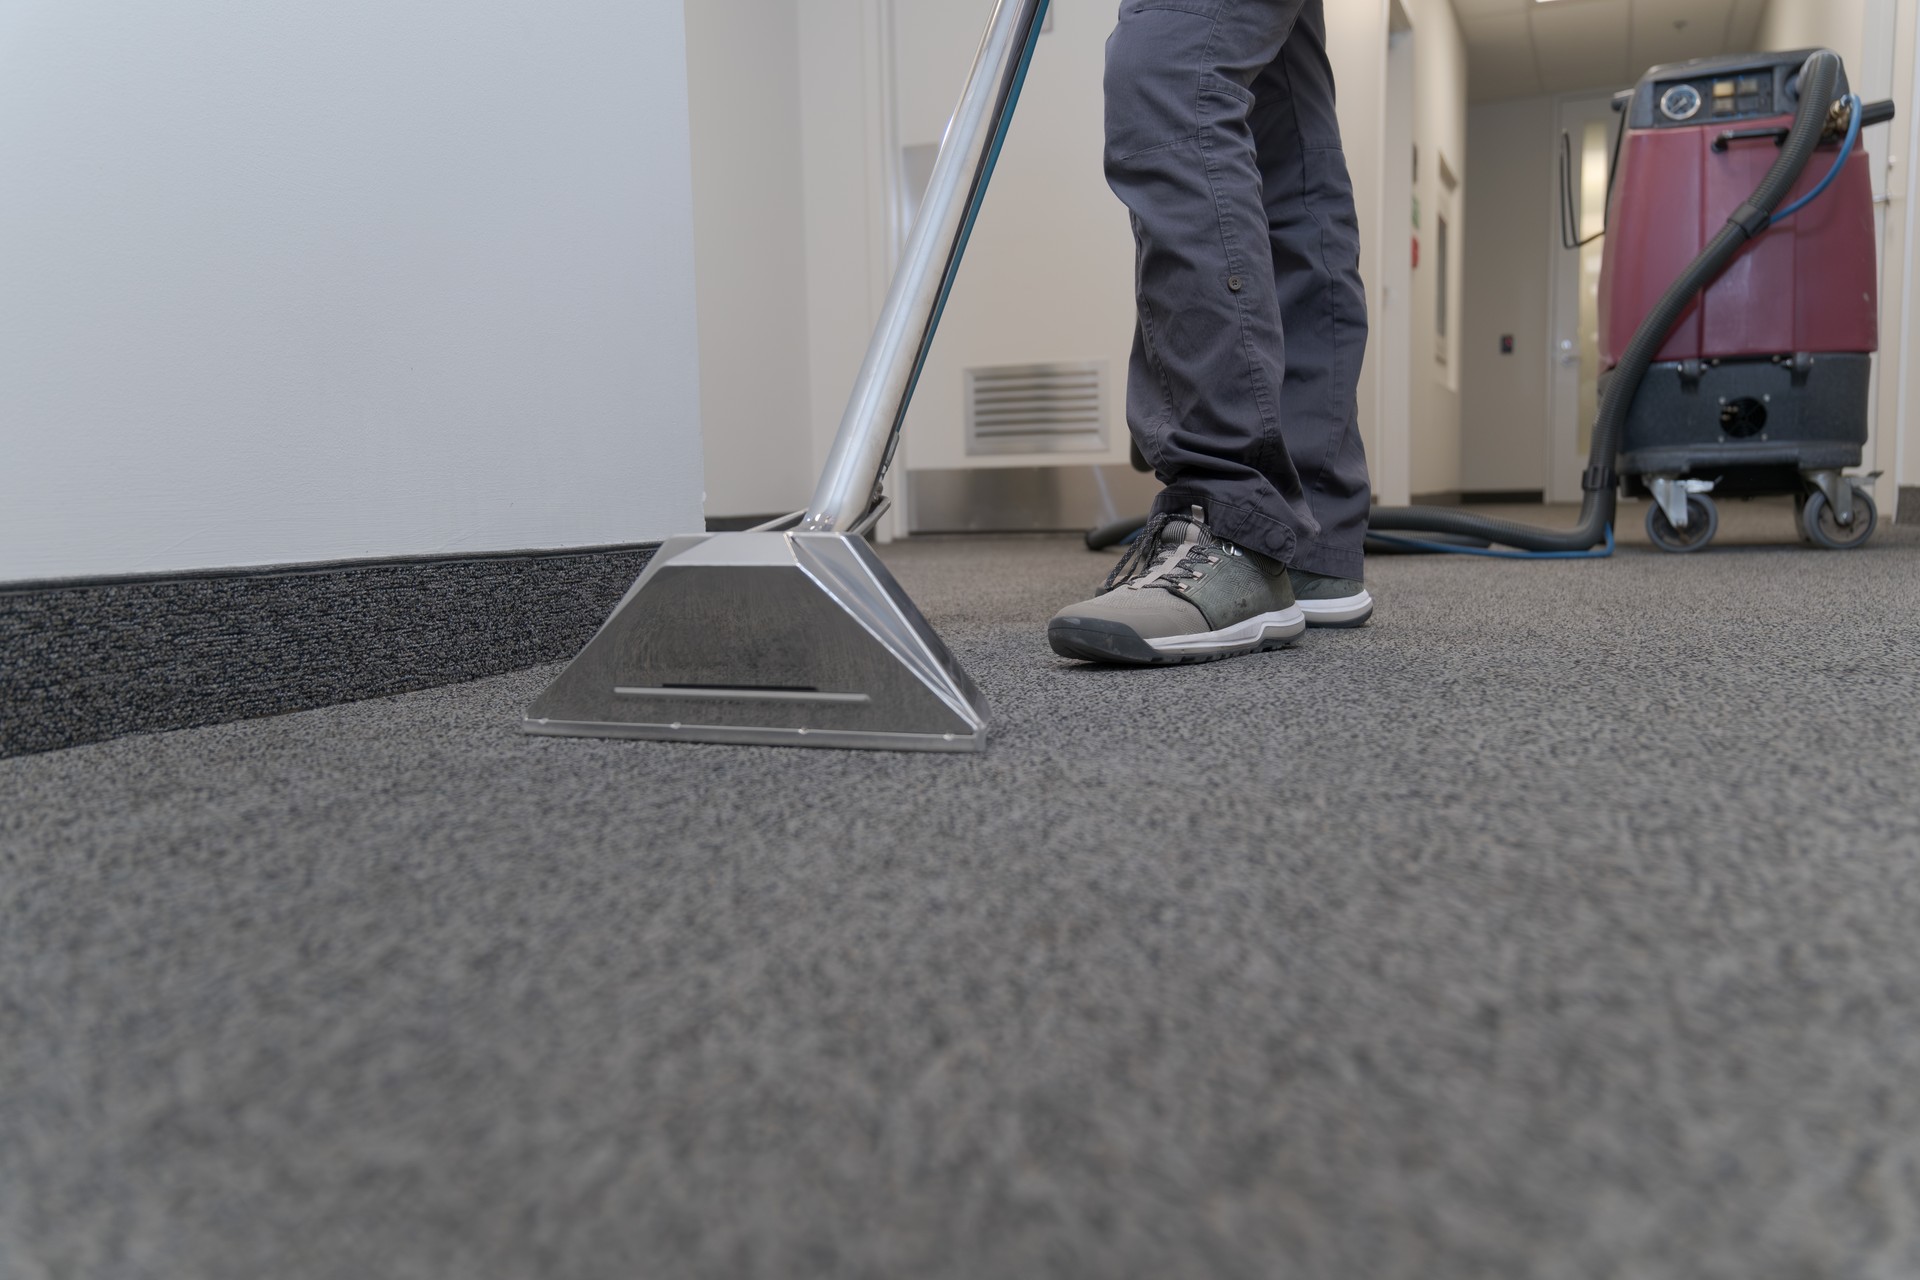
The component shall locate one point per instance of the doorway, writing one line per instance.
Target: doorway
(1590, 124)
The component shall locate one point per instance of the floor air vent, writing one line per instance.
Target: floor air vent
(1037, 408)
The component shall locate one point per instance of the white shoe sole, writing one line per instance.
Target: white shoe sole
(1242, 637)
(1346, 611)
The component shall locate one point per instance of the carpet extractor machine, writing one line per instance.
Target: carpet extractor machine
(794, 633)
(1738, 314)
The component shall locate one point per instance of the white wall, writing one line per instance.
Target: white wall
(1875, 38)
(743, 72)
(847, 134)
(1357, 48)
(1506, 412)
(1048, 275)
(842, 181)
(1838, 25)
(1440, 129)
(301, 282)
(1899, 403)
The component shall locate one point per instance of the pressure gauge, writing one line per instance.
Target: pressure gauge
(1682, 102)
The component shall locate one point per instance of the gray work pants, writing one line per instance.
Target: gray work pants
(1222, 141)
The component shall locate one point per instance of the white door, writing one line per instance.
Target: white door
(1590, 123)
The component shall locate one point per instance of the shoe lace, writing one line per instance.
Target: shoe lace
(1147, 557)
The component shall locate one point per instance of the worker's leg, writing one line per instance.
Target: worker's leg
(1315, 239)
(1205, 393)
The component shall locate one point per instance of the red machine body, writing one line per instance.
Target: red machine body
(1808, 284)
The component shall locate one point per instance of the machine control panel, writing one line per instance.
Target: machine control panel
(1728, 98)
(1714, 91)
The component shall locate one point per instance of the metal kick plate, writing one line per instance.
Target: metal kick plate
(789, 639)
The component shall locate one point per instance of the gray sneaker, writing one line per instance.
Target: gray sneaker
(1331, 602)
(1180, 594)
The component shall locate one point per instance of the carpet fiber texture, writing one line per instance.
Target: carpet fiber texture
(1563, 923)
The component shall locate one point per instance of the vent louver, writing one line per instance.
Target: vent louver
(1037, 408)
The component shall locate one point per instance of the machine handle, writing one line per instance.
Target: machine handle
(1870, 114)
(1732, 136)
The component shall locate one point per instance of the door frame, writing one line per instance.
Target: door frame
(1391, 459)
(1565, 461)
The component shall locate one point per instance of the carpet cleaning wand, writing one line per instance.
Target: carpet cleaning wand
(794, 633)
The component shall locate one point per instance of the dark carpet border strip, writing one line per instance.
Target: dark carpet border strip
(85, 660)
(1908, 511)
(31, 585)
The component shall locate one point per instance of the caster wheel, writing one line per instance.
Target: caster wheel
(1819, 526)
(1703, 521)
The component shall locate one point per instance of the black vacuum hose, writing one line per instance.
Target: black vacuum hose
(1818, 80)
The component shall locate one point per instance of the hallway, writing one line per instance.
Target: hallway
(1560, 923)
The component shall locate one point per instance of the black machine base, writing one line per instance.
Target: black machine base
(1755, 425)
(1744, 428)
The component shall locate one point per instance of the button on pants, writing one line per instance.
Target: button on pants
(1222, 143)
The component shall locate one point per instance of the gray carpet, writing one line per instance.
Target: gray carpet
(1565, 923)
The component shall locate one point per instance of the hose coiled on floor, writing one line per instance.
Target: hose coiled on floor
(1819, 77)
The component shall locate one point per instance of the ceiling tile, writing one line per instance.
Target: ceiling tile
(1518, 48)
(1743, 25)
(1500, 59)
(1582, 44)
(1675, 32)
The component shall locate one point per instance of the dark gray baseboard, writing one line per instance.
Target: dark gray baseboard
(86, 660)
(1478, 497)
(1909, 509)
